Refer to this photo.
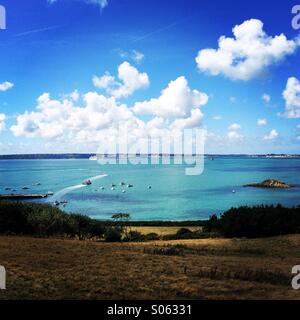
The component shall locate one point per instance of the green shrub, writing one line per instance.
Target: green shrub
(96, 229)
(134, 236)
(186, 234)
(165, 251)
(257, 222)
(152, 236)
(45, 220)
(113, 234)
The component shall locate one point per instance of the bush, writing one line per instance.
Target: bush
(13, 219)
(166, 251)
(184, 233)
(257, 222)
(152, 236)
(113, 234)
(96, 229)
(45, 220)
(134, 236)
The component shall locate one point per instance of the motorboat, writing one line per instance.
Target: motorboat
(87, 182)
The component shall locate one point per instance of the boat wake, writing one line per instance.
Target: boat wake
(58, 195)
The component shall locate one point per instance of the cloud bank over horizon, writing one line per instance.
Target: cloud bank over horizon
(92, 118)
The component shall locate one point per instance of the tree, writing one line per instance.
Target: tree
(121, 223)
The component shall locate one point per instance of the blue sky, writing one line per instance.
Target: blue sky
(68, 45)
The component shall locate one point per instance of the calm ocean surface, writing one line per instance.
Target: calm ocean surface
(174, 196)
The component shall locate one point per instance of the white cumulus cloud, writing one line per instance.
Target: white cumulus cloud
(6, 86)
(97, 121)
(266, 98)
(262, 122)
(233, 135)
(101, 3)
(291, 96)
(247, 54)
(234, 127)
(130, 80)
(272, 135)
(2, 121)
(176, 101)
(134, 55)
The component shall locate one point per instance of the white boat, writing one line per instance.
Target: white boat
(87, 182)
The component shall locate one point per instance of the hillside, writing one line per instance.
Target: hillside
(186, 269)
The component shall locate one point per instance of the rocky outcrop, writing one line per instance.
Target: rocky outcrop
(270, 183)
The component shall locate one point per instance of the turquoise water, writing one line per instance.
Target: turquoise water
(174, 196)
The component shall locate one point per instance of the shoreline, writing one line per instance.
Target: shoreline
(91, 156)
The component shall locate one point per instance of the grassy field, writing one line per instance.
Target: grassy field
(162, 231)
(185, 269)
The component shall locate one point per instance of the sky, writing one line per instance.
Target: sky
(72, 72)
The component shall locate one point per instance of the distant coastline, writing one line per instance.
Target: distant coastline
(92, 156)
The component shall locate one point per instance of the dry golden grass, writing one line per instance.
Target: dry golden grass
(162, 231)
(200, 269)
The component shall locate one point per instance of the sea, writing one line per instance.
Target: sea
(158, 191)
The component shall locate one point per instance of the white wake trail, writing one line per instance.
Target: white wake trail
(58, 195)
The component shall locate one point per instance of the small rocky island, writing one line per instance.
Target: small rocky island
(270, 183)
